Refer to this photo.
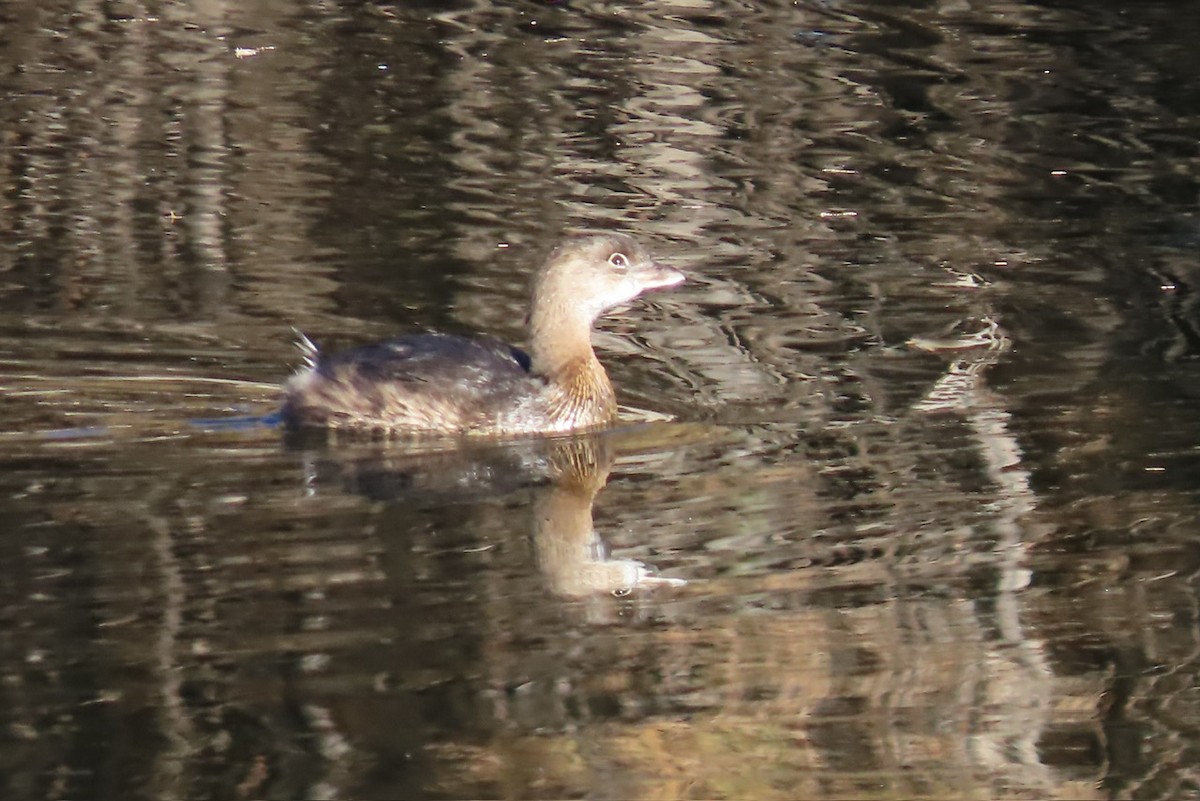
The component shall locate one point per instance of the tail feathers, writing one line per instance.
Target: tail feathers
(308, 349)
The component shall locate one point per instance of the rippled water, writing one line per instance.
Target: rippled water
(924, 522)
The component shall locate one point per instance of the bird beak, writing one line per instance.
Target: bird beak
(656, 276)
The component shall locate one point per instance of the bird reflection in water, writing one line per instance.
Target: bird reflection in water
(571, 554)
(564, 474)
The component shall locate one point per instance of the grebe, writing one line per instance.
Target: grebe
(439, 383)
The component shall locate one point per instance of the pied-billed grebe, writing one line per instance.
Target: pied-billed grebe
(452, 385)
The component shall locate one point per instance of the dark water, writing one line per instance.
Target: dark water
(924, 524)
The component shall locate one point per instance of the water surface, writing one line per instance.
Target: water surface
(921, 522)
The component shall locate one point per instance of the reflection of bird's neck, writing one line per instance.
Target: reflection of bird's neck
(568, 548)
(581, 463)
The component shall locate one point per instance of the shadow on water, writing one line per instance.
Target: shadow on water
(923, 524)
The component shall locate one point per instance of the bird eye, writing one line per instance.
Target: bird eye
(618, 260)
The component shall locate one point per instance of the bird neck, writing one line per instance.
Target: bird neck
(560, 333)
(577, 387)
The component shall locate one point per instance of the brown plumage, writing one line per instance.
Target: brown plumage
(454, 385)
